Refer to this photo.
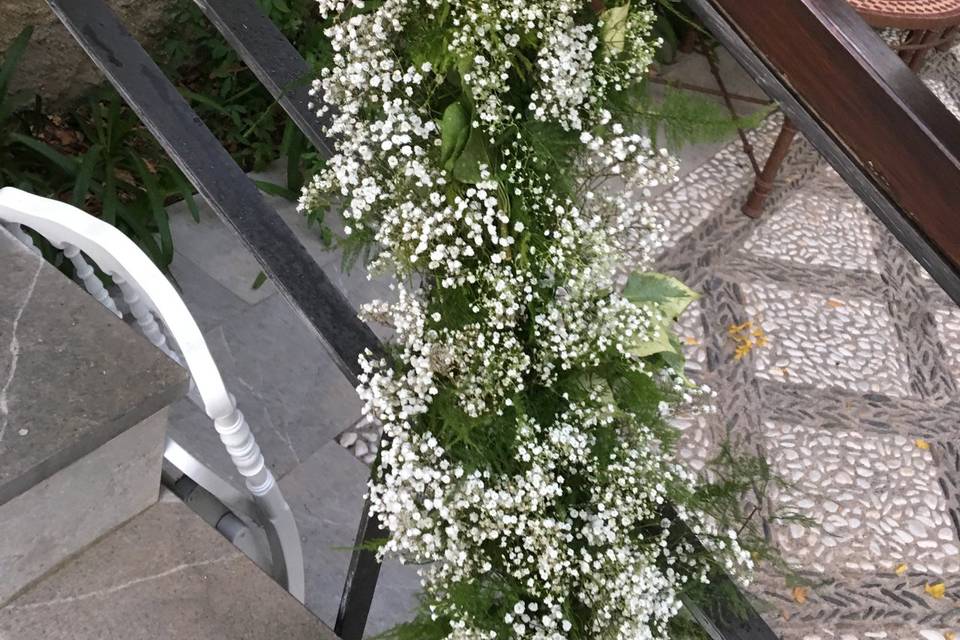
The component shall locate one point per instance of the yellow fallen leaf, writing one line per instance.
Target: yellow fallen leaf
(920, 443)
(800, 594)
(690, 340)
(949, 635)
(737, 328)
(901, 568)
(834, 304)
(746, 337)
(936, 590)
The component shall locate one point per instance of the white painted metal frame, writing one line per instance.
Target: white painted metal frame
(149, 295)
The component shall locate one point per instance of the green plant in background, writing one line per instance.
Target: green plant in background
(117, 173)
(227, 95)
(13, 123)
(104, 162)
(100, 158)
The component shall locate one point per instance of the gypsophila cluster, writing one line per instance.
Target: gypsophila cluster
(485, 148)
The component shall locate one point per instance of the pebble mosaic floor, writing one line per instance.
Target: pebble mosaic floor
(853, 398)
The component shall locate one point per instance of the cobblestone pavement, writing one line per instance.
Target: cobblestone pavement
(852, 395)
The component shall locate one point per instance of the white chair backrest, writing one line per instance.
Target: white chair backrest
(149, 295)
(144, 287)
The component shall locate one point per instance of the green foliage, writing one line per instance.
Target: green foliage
(670, 297)
(106, 170)
(614, 30)
(100, 158)
(669, 294)
(673, 20)
(26, 175)
(679, 118)
(466, 167)
(227, 95)
(548, 159)
(454, 129)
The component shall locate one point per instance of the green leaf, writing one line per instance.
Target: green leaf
(669, 294)
(292, 147)
(81, 186)
(210, 103)
(276, 190)
(454, 131)
(674, 358)
(155, 198)
(464, 66)
(467, 167)
(649, 346)
(138, 231)
(614, 30)
(668, 50)
(259, 280)
(12, 57)
(65, 163)
(186, 190)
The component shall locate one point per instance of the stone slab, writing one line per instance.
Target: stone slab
(295, 398)
(213, 246)
(210, 303)
(72, 376)
(694, 69)
(218, 251)
(163, 575)
(326, 495)
(66, 512)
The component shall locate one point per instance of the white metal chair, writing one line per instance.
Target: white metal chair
(149, 296)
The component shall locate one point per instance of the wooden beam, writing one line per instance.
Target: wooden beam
(890, 138)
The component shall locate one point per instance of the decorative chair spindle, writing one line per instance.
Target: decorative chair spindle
(143, 315)
(89, 278)
(17, 232)
(157, 307)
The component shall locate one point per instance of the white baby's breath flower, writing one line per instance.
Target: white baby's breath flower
(534, 271)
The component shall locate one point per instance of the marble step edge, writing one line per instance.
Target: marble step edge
(163, 574)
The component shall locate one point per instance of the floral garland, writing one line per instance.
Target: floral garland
(492, 152)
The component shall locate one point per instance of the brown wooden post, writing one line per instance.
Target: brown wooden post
(690, 40)
(763, 185)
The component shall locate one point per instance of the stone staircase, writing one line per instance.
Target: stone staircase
(87, 550)
(164, 574)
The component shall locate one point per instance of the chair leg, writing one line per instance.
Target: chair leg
(763, 185)
(947, 39)
(915, 55)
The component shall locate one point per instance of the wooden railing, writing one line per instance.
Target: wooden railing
(879, 126)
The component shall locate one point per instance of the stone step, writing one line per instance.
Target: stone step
(164, 575)
(83, 402)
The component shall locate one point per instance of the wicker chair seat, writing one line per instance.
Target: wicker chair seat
(909, 14)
